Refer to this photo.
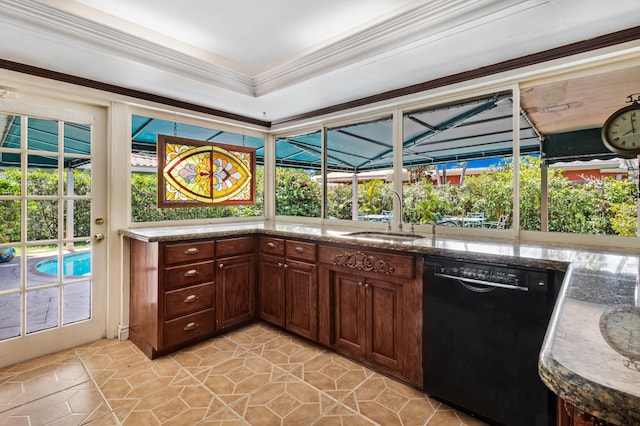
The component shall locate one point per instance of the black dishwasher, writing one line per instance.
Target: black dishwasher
(483, 330)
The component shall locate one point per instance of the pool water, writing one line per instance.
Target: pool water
(78, 264)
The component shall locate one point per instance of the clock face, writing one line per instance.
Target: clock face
(621, 132)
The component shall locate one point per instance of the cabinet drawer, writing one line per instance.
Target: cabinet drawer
(273, 246)
(193, 273)
(235, 246)
(187, 252)
(187, 300)
(188, 327)
(357, 259)
(301, 251)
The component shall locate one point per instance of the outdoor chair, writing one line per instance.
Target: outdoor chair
(500, 224)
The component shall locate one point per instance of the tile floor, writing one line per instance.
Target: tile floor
(257, 375)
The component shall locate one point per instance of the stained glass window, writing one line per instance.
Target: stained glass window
(193, 173)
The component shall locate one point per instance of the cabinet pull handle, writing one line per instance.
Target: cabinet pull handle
(299, 249)
(271, 244)
(221, 266)
(191, 273)
(191, 298)
(192, 250)
(190, 326)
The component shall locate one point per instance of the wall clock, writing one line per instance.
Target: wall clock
(621, 131)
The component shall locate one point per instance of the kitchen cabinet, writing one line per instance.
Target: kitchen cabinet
(235, 282)
(172, 294)
(371, 301)
(180, 292)
(288, 291)
(569, 415)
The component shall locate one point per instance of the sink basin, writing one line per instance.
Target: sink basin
(384, 236)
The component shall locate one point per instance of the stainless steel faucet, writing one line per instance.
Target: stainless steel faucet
(401, 208)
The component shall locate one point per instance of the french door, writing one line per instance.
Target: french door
(52, 206)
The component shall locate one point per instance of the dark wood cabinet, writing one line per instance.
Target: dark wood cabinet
(172, 294)
(569, 415)
(288, 291)
(235, 282)
(180, 293)
(372, 301)
(368, 318)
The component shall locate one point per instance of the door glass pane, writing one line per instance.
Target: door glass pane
(12, 136)
(76, 264)
(42, 220)
(9, 316)
(10, 180)
(42, 180)
(10, 272)
(42, 265)
(76, 302)
(42, 135)
(77, 138)
(77, 180)
(10, 222)
(77, 218)
(42, 309)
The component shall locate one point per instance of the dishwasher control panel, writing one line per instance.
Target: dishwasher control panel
(500, 274)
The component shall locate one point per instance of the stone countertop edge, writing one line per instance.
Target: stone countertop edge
(592, 284)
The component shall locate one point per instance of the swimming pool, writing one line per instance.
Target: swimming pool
(77, 264)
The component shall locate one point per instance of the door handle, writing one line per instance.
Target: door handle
(99, 237)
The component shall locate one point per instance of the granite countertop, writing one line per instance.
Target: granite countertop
(591, 353)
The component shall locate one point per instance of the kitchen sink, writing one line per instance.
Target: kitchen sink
(384, 236)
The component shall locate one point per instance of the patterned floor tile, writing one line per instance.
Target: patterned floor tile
(332, 374)
(255, 335)
(388, 402)
(341, 415)
(284, 401)
(33, 380)
(184, 403)
(238, 377)
(288, 351)
(73, 406)
(209, 353)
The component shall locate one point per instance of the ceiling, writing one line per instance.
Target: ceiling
(273, 60)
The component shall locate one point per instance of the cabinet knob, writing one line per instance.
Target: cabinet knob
(359, 282)
(191, 298)
(192, 250)
(366, 285)
(271, 244)
(190, 326)
(299, 249)
(221, 266)
(191, 273)
(280, 265)
(285, 266)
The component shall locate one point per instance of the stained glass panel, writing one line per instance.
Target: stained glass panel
(195, 173)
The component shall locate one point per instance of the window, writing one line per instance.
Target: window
(144, 175)
(298, 175)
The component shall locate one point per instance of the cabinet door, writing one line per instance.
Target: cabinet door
(349, 314)
(384, 323)
(302, 299)
(235, 290)
(271, 289)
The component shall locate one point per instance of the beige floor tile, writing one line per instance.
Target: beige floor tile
(284, 401)
(73, 406)
(209, 353)
(255, 335)
(288, 351)
(388, 402)
(238, 377)
(39, 378)
(184, 403)
(332, 374)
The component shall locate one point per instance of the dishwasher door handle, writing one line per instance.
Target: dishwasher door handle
(481, 282)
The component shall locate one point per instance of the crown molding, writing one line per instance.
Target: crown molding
(422, 23)
(49, 21)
